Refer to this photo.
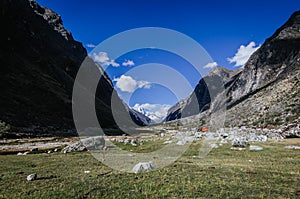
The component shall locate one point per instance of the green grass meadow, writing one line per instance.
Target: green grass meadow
(271, 173)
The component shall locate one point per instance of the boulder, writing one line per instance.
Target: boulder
(255, 148)
(168, 142)
(133, 142)
(239, 142)
(92, 143)
(32, 177)
(34, 149)
(214, 145)
(78, 146)
(238, 149)
(292, 147)
(143, 166)
(181, 142)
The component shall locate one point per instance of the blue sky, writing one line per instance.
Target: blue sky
(221, 27)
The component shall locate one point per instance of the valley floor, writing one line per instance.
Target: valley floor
(271, 173)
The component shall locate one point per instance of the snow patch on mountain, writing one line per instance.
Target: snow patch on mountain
(156, 112)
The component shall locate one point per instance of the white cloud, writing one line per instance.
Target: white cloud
(243, 54)
(156, 112)
(113, 63)
(103, 59)
(128, 84)
(128, 63)
(91, 45)
(211, 65)
(143, 84)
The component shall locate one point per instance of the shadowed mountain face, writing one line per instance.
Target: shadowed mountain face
(205, 92)
(277, 60)
(39, 62)
(279, 55)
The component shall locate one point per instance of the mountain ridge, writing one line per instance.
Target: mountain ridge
(273, 62)
(39, 63)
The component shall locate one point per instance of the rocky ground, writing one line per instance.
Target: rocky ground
(238, 136)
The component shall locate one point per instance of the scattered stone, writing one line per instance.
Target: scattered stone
(199, 135)
(126, 141)
(255, 148)
(55, 150)
(25, 153)
(133, 142)
(292, 147)
(92, 143)
(181, 142)
(214, 145)
(212, 136)
(32, 177)
(237, 149)
(78, 146)
(34, 149)
(224, 135)
(239, 142)
(223, 141)
(143, 166)
(87, 172)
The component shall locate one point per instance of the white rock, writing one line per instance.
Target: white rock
(20, 153)
(87, 172)
(262, 138)
(181, 142)
(199, 135)
(31, 177)
(211, 136)
(237, 149)
(143, 166)
(126, 141)
(223, 141)
(239, 142)
(292, 147)
(255, 148)
(214, 145)
(168, 142)
(133, 142)
(91, 143)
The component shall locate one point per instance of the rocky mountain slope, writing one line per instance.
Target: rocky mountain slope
(266, 91)
(39, 62)
(201, 98)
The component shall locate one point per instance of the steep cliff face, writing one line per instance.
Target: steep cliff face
(204, 93)
(277, 56)
(39, 62)
(256, 93)
(267, 91)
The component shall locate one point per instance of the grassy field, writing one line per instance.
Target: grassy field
(271, 173)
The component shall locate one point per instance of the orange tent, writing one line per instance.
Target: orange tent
(204, 129)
